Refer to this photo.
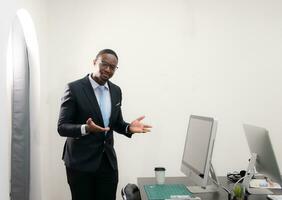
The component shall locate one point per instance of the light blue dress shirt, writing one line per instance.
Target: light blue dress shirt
(107, 100)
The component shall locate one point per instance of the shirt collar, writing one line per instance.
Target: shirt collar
(95, 84)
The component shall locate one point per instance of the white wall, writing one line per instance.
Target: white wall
(215, 58)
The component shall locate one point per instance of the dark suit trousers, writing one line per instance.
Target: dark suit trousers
(99, 185)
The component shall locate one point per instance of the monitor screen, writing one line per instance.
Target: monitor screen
(260, 144)
(196, 150)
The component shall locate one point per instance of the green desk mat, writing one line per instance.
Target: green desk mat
(164, 191)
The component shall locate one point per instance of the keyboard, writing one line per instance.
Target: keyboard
(183, 197)
(274, 197)
(165, 191)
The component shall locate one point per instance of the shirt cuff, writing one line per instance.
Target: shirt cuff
(83, 130)
(127, 129)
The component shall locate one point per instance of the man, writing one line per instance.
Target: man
(90, 112)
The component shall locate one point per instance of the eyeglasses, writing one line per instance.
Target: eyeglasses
(104, 65)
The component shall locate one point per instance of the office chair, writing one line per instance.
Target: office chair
(130, 192)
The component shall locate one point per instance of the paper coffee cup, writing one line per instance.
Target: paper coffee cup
(160, 175)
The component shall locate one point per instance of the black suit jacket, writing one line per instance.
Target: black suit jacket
(79, 102)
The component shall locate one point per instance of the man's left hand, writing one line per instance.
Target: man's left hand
(138, 127)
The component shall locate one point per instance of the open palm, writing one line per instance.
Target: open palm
(138, 127)
(94, 128)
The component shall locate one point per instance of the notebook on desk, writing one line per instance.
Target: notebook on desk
(164, 191)
(263, 183)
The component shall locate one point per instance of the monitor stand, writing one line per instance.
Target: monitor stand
(213, 187)
(199, 189)
(249, 175)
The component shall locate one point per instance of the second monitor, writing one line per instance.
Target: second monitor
(263, 159)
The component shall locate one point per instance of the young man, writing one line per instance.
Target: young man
(90, 112)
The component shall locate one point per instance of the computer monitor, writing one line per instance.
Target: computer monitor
(197, 154)
(263, 159)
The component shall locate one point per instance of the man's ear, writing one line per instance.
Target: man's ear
(94, 61)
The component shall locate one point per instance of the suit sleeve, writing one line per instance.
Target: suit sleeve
(66, 123)
(120, 125)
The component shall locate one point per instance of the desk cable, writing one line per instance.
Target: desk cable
(224, 188)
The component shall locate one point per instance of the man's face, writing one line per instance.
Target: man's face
(104, 67)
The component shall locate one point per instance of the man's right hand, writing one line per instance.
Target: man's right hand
(91, 127)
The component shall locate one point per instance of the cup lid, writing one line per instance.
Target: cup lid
(159, 169)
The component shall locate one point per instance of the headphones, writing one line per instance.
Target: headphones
(236, 176)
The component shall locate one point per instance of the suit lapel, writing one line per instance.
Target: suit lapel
(89, 92)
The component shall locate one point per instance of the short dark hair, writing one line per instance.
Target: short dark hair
(107, 51)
